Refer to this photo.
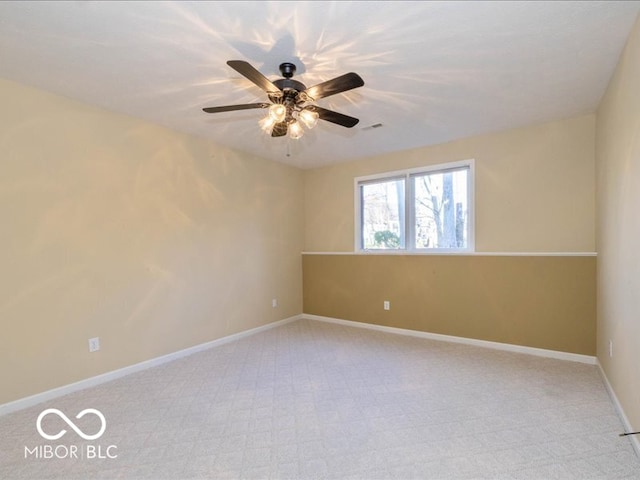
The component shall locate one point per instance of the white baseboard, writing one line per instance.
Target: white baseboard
(635, 442)
(107, 377)
(540, 352)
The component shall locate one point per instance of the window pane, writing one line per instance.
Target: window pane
(382, 214)
(441, 209)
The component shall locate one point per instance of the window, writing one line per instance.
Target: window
(423, 210)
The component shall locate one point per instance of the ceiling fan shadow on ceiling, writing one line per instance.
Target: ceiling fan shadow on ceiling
(292, 103)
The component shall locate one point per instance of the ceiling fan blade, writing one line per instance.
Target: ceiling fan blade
(333, 117)
(245, 69)
(339, 84)
(279, 129)
(231, 108)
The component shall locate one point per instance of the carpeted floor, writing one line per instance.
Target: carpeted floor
(312, 400)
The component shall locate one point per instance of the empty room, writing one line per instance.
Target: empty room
(319, 240)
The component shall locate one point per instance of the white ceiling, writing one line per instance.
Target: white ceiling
(433, 71)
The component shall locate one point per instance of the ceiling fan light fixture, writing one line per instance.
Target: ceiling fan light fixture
(309, 118)
(295, 130)
(278, 112)
(267, 123)
(291, 102)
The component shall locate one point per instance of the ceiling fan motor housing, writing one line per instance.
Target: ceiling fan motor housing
(291, 91)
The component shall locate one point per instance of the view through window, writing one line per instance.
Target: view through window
(426, 209)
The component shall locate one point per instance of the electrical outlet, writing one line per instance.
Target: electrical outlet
(94, 344)
(610, 348)
(387, 305)
(274, 302)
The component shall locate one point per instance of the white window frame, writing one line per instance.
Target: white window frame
(407, 174)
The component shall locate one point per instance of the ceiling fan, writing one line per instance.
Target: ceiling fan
(291, 101)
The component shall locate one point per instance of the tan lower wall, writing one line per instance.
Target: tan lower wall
(536, 301)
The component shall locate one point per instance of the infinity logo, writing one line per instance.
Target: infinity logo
(71, 424)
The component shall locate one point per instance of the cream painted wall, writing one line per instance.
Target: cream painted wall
(152, 240)
(534, 189)
(618, 229)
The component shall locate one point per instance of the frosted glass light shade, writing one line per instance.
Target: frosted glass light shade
(267, 123)
(278, 112)
(295, 130)
(309, 118)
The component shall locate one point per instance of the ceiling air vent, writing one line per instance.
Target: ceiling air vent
(371, 127)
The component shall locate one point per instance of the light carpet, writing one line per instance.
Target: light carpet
(312, 400)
